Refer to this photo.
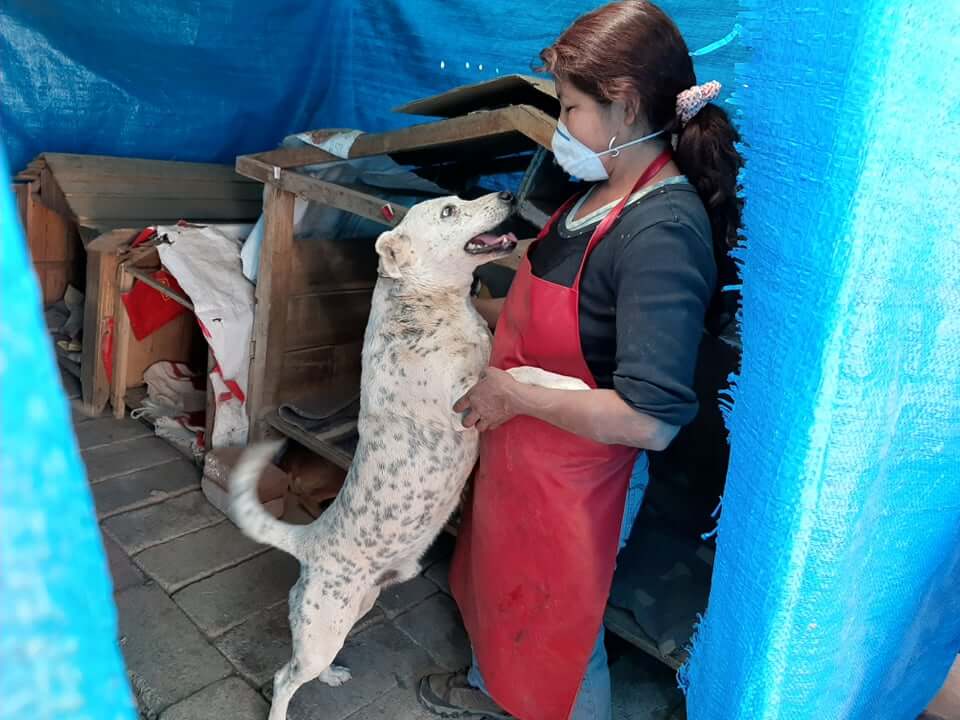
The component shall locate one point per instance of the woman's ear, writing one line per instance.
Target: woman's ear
(629, 109)
(395, 251)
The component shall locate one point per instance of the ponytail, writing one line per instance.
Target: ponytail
(707, 154)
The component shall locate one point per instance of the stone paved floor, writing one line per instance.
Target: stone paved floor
(202, 609)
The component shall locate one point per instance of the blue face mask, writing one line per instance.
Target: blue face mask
(582, 162)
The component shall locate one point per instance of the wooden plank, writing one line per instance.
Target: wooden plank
(535, 124)
(334, 318)
(174, 342)
(324, 449)
(48, 233)
(98, 319)
(211, 409)
(500, 91)
(295, 157)
(269, 324)
(327, 193)
(69, 167)
(312, 372)
(102, 208)
(21, 192)
(325, 264)
(482, 124)
(237, 188)
(621, 624)
(113, 241)
(123, 335)
(103, 262)
(144, 277)
(51, 195)
(98, 226)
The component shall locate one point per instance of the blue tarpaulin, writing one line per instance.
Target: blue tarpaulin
(206, 80)
(839, 545)
(836, 589)
(59, 657)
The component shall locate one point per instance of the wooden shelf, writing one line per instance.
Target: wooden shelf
(325, 448)
(622, 624)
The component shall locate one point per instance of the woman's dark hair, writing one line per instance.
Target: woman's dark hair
(633, 52)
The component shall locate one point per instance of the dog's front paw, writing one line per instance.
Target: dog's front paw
(335, 675)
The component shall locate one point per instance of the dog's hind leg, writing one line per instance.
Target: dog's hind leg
(366, 605)
(286, 682)
(294, 674)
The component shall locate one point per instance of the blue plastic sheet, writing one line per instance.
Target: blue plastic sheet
(59, 658)
(835, 590)
(207, 80)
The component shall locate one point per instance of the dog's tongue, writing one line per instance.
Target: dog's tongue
(487, 239)
(490, 240)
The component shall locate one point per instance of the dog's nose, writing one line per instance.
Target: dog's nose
(507, 197)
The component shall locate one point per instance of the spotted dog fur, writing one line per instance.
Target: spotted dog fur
(425, 346)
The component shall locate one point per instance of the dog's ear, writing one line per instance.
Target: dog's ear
(395, 251)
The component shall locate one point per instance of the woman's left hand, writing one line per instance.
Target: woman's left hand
(491, 402)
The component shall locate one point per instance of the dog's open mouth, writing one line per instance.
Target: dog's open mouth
(490, 243)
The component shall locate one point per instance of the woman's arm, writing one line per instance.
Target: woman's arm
(600, 415)
(489, 309)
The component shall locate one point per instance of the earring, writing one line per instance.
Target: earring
(613, 153)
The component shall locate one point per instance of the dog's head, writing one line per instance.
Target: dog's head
(439, 243)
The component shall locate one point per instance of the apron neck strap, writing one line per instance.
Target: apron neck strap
(603, 228)
(556, 216)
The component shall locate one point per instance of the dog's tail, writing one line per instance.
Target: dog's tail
(245, 508)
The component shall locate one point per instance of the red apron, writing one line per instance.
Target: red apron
(537, 547)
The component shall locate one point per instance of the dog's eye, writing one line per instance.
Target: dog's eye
(448, 210)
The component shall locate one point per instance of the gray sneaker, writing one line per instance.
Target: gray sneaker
(450, 696)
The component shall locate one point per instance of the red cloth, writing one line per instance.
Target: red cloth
(148, 308)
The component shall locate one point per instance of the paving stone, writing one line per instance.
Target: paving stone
(144, 487)
(397, 599)
(231, 698)
(125, 457)
(80, 412)
(222, 601)
(124, 573)
(398, 704)
(439, 574)
(139, 529)
(381, 659)
(167, 658)
(107, 430)
(435, 625)
(261, 645)
(197, 555)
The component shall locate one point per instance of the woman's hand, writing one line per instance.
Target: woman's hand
(491, 402)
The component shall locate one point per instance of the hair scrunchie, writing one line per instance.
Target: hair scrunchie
(694, 99)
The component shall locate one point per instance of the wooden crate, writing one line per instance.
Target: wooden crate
(80, 213)
(313, 298)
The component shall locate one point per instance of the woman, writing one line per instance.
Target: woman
(615, 292)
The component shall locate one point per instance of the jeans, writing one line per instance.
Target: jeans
(594, 699)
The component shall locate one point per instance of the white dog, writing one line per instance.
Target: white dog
(424, 347)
